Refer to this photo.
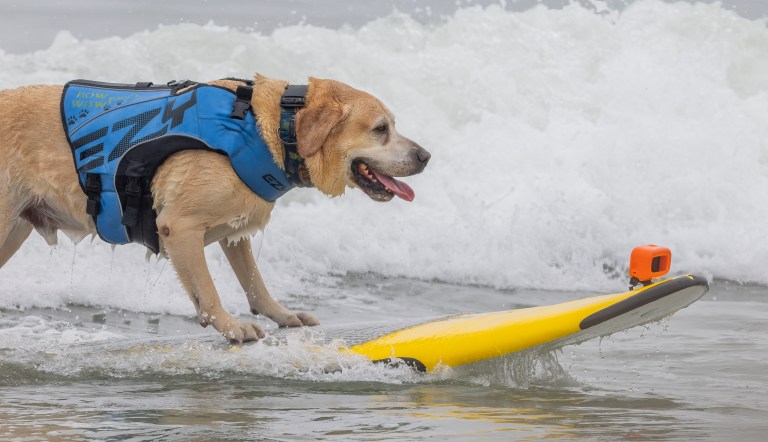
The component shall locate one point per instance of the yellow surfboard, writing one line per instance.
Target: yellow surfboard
(462, 339)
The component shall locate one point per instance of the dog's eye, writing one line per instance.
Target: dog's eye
(382, 128)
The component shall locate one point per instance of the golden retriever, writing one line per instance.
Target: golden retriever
(346, 137)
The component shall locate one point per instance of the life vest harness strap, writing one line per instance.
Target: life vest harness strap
(132, 202)
(293, 99)
(93, 192)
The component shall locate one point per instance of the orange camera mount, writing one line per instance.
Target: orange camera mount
(648, 262)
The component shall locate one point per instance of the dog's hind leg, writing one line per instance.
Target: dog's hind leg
(16, 233)
(241, 259)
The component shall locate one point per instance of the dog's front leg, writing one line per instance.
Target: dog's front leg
(184, 246)
(241, 259)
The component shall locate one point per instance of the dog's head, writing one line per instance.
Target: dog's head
(348, 138)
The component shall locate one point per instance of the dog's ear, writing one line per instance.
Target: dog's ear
(318, 119)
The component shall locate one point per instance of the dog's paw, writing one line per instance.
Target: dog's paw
(83, 113)
(299, 319)
(243, 332)
(72, 120)
(307, 319)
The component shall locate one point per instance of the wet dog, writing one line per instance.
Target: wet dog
(346, 137)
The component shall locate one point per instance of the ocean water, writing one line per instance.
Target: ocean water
(561, 138)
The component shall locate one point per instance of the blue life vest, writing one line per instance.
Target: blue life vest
(120, 134)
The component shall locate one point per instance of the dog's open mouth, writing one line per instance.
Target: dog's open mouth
(378, 186)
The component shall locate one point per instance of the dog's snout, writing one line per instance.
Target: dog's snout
(423, 155)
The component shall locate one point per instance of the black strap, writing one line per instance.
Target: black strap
(93, 191)
(242, 103)
(143, 84)
(292, 100)
(132, 202)
(294, 96)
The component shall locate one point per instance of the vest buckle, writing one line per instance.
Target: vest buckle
(242, 103)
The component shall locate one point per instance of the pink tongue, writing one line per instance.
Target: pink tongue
(399, 188)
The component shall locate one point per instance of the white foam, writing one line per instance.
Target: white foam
(34, 332)
(58, 348)
(560, 140)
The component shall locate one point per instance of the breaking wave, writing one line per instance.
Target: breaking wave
(561, 138)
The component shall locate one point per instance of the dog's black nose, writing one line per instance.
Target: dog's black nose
(423, 155)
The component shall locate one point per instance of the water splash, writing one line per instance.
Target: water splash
(521, 370)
